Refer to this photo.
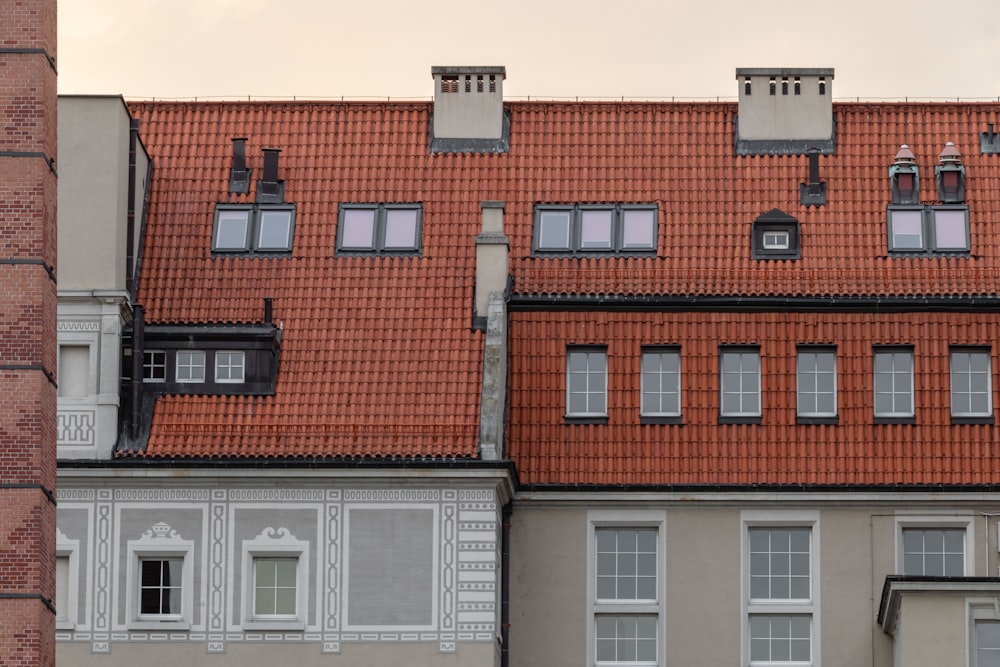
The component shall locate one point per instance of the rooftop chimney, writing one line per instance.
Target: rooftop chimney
(239, 175)
(468, 110)
(270, 190)
(904, 177)
(950, 176)
(784, 111)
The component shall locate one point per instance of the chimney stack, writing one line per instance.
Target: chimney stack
(468, 110)
(785, 111)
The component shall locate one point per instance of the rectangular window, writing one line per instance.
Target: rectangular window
(160, 588)
(154, 366)
(190, 366)
(253, 229)
(661, 382)
(586, 382)
(613, 228)
(625, 588)
(776, 240)
(62, 589)
(971, 393)
(780, 603)
(229, 366)
(934, 552)
(894, 383)
(933, 229)
(987, 643)
(379, 229)
(739, 383)
(816, 382)
(275, 587)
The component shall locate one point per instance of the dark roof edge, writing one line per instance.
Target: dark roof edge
(291, 463)
(523, 302)
(759, 488)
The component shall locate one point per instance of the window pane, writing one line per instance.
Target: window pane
(906, 230)
(275, 230)
(950, 230)
(231, 232)
(190, 366)
(595, 228)
(638, 228)
(229, 366)
(553, 230)
(359, 229)
(401, 228)
(740, 383)
(970, 383)
(987, 643)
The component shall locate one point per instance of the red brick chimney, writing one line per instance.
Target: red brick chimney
(27, 332)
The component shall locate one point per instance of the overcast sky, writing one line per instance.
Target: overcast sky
(880, 49)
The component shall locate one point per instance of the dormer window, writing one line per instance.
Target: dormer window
(253, 229)
(775, 235)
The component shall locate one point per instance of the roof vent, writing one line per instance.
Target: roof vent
(785, 111)
(813, 193)
(239, 175)
(989, 141)
(468, 110)
(270, 190)
(950, 176)
(904, 177)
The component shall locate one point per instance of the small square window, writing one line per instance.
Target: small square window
(776, 240)
(971, 392)
(934, 552)
(661, 382)
(622, 639)
(232, 230)
(613, 228)
(190, 366)
(739, 371)
(586, 382)
(275, 230)
(894, 383)
(379, 228)
(154, 366)
(779, 638)
(275, 581)
(626, 564)
(229, 366)
(775, 235)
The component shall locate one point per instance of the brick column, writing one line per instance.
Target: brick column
(27, 332)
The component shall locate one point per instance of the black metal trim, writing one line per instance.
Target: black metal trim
(22, 50)
(570, 419)
(649, 419)
(41, 487)
(31, 367)
(909, 421)
(36, 262)
(816, 421)
(30, 596)
(730, 303)
(960, 421)
(48, 160)
(732, 419)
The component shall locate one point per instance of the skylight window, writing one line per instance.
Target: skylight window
(253, 229)
(379, 229)
(628, 229)
(933, 229)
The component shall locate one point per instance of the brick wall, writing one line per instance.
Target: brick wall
(27, 331)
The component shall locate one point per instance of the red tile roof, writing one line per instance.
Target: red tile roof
(378, 358)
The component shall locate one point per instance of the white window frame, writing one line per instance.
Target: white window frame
(147, 368)
(781, 607)
(776, 239)
(69, 549)
(624, 519)
(275, 543)
(943, 520)
(742, 351)
(159, 542)
(659, 351)
(894, 414)
(978, 610)
(971, 350)
(241, 355)
(588, 350)
(194, 355)
(815, 393)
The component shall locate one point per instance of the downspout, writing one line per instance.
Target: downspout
(138, 345)
(505, 585)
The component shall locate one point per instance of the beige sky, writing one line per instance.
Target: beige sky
(881, 49)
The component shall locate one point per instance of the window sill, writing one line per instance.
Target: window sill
(661, 419)
(571, 419)
(275, 624)
(834, 420)
(896, 420)
(159, 625)
(741, 419)
(65, 625)
(955, 421)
